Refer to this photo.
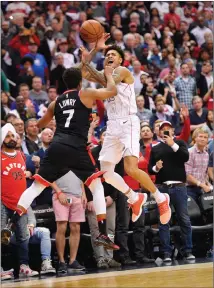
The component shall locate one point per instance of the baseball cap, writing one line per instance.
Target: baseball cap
(165, 123)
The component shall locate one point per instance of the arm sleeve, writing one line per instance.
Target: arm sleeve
(182, 152)
(185, 133)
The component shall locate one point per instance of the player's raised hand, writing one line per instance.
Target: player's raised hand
(84, 54)
(184, 111)
(108, 70)
(101, 42)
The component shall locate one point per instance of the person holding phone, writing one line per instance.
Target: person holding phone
(167, 162)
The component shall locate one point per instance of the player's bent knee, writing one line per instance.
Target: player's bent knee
(108, 176)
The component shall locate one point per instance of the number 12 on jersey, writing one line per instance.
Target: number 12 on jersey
(71, 113)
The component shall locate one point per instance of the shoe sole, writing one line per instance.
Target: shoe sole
(141, 208)
(48, 272)
(6, 277)
(62, 271)
(170, 211)
(106, 246)
(76, 270)
(167, 261)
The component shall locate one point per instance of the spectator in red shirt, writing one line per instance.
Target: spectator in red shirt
(172, 16)
(21, 41)
(13, 185)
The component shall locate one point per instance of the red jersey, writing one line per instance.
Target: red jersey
(13, 181)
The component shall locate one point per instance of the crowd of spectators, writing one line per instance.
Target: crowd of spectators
(168, 47)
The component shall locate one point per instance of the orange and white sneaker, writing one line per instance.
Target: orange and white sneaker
(137, 206)
(165, 210)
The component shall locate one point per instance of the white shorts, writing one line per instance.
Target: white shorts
(122, 139)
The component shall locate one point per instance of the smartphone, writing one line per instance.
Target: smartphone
(69, 200)
(166, 133)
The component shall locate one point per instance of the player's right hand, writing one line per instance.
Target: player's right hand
(63, 199)
(108, 70)
(101, 42)
(159, 165)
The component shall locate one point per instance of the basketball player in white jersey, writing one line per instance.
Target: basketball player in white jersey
(123, 131)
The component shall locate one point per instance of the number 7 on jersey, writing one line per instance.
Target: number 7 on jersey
(71, 113)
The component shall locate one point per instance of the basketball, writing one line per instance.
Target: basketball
(91, 31)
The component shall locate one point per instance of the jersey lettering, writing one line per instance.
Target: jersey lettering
(71, 113)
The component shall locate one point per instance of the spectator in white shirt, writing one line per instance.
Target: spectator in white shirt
(137, 74)
(68, 58)
(162, 7)
(200, 30)
(118, 37)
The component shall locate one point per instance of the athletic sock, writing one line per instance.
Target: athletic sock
(132, 196)
(159, 197)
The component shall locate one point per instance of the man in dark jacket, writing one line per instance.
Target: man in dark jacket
(167, 162)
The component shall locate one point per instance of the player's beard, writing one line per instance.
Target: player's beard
(11, 144)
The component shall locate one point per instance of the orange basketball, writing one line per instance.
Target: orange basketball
(91, 31)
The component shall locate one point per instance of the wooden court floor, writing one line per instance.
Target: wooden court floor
(191, 275)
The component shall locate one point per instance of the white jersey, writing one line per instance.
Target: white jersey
(123, 104)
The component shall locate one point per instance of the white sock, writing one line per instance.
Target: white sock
(30, 194)
(97, 191)
(133, 196)
(159, 197)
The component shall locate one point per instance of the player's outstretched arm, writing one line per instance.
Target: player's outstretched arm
(103, 93)
(43, 122)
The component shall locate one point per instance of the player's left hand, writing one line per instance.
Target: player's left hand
(84, 54)
(168, 140)
(100, 45)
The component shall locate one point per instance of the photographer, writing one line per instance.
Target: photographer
(167, 163)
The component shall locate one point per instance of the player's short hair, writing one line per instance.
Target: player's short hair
(116, 48)
(72, 77)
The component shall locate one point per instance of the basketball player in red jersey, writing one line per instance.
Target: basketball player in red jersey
(123, 131)
(13, 184)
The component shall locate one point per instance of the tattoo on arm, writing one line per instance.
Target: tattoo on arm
(93, 74)
(96, 76)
